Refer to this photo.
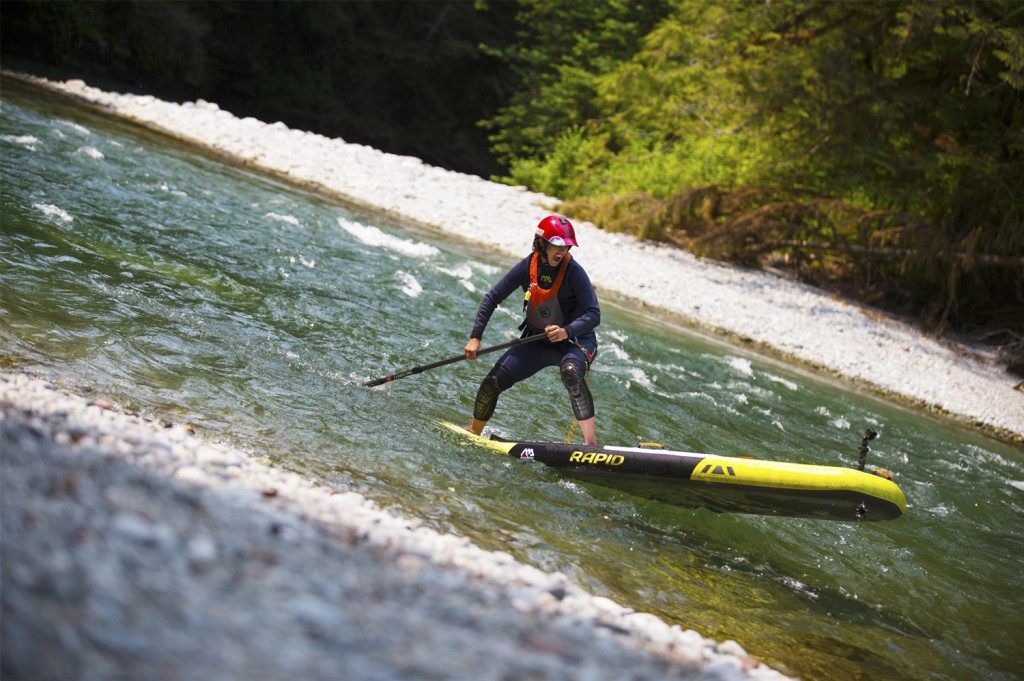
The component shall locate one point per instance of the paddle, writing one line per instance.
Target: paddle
(451, 360)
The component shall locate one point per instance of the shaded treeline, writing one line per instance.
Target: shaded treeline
(405, 77)
(872, 147)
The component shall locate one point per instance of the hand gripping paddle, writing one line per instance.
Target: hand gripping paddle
(450, 360)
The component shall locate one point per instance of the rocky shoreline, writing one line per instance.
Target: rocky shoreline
(134, 549)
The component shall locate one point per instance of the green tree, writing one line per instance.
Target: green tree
(406, 77)
(560, 49)
(888, 130)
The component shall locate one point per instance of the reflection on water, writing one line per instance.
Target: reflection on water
(253, 311)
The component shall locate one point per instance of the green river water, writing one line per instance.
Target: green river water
(203, 294)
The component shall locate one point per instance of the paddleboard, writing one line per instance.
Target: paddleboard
(719, 483)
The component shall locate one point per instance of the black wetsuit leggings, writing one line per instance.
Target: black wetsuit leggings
(522, 361)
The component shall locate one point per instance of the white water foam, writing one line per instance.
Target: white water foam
(80, 129)
(841, 423)
(485, 269)
(91, 152)
(291, 220)
(641, 379)
(782, 381)
(54, 212)
(371, 236)
(741, 365)
(464, 274)
(614, 350)
(173, 192)
(302, 260)
(410, 286)
(27, 141)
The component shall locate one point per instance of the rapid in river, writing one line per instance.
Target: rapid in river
(204, 294)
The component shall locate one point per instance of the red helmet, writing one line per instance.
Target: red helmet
(557, 231)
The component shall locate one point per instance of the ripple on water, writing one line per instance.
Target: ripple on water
(183, 310)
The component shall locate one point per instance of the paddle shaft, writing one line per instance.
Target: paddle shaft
(451, 360)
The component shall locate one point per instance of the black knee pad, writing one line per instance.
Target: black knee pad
(574, 375)
(495, 382)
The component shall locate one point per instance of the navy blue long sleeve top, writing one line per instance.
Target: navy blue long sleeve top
(576, 298)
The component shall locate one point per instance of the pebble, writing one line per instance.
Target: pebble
(192, 475)
(201, 550)
(146, 560)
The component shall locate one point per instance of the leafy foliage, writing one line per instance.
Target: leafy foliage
(559, 50)
(877, 145)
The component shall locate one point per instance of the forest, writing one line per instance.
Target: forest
(872, 148)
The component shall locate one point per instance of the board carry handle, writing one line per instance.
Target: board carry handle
(451, 360)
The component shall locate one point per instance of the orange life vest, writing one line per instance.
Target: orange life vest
(541, 304)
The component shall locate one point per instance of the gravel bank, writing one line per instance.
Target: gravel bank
(777, 316)
(134, 550)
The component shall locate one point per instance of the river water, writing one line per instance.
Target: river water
(204, 294)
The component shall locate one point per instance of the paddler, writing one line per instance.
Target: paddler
(560, 302)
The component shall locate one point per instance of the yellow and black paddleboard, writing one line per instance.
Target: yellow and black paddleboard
(719, 483)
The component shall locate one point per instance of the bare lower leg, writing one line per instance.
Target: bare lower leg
(477, 427)
(589, 429)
